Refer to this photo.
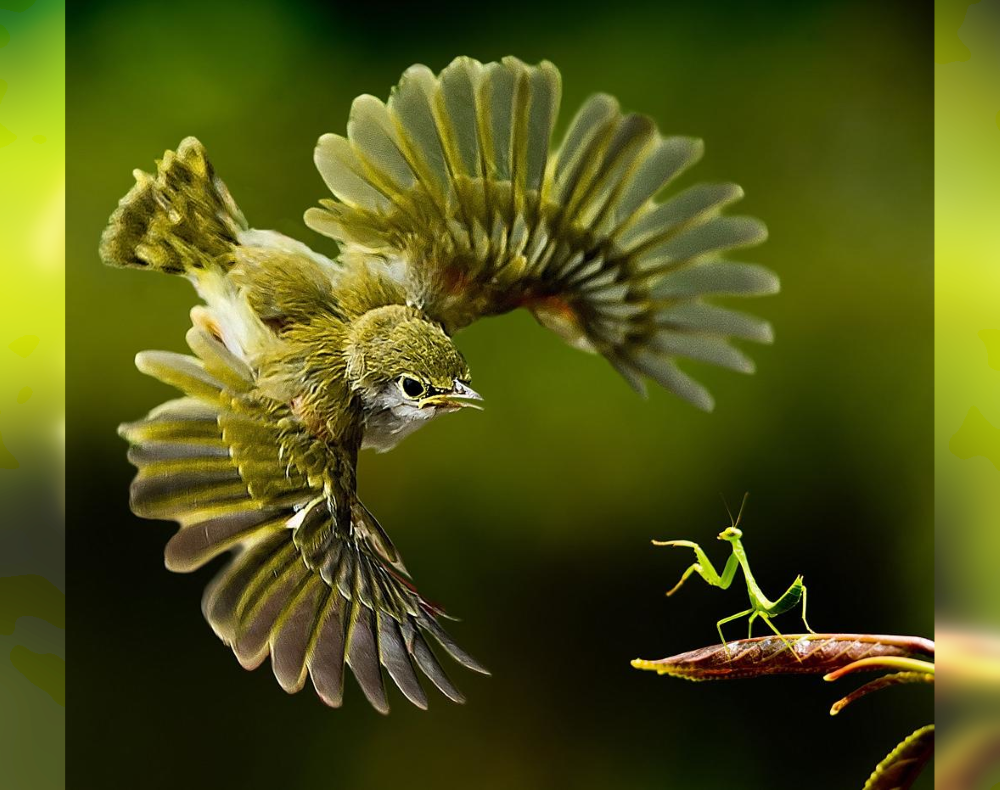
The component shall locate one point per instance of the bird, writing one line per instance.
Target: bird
(449, 203)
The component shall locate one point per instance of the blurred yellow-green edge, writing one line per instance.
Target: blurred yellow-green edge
(32, 604)
(967, 351)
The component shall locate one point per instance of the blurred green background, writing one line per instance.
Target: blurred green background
(532, 520)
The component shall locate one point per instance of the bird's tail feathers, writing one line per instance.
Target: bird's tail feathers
(179, 221)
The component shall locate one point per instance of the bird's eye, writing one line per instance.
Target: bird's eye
(411, 387)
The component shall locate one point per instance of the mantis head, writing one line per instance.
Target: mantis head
(732, 534)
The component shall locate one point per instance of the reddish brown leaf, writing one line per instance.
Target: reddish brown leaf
(810, 654)
(895, 679)
(871, 663)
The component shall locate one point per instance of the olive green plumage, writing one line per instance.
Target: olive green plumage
(179, 220)
(449, 205)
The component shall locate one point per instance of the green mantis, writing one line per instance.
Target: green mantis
(760, 605)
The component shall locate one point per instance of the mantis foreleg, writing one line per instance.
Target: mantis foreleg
(703, 567)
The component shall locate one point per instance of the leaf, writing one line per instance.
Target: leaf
(901, 767)
(895, 679)
(809, 654)
(869, 663)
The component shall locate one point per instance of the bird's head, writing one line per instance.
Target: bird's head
(405, 370)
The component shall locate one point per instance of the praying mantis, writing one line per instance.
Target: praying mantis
(760, 605)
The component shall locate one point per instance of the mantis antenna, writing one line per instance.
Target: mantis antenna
(739, 515)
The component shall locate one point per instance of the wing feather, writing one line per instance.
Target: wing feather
(315, 582)
(486, 218)
(294, 630)
(325, 655)
(396, 659)
(362, 655)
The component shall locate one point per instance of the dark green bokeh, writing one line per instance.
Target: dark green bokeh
(532, 520)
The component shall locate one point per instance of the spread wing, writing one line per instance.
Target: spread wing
(452, 185)
(315, 582)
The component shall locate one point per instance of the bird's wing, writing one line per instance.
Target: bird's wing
(451, 183)
(315, 582)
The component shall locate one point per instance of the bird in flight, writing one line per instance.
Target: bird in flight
(449, 204)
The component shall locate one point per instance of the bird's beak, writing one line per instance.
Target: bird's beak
(461, 396)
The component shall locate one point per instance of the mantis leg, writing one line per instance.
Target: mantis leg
(703, 567)
(750, 628)
(781, 636)
(804, 621)
(725, 620)
(696, 568)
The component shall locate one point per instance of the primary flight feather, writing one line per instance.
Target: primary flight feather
(448, 205)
